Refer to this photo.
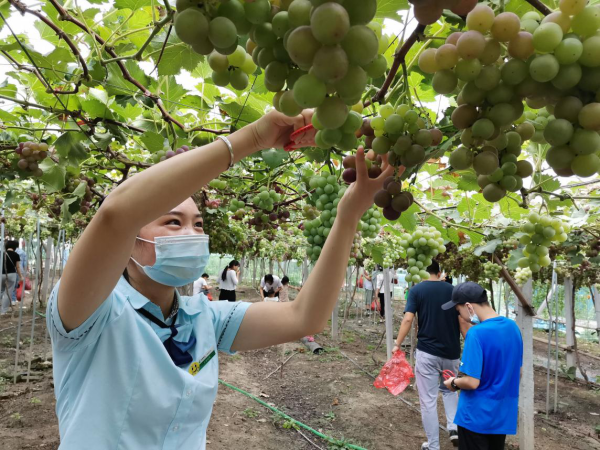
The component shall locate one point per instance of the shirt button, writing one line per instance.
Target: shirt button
(176, 428)
(188, 393)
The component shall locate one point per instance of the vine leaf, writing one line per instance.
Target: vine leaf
(69, 146)
(408, 219)
(132, 4)
(475, 238)
(54, 175)
(178, 57)
(389, 8)
(490, 247)
(154, 142)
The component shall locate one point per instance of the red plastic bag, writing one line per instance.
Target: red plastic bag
(27, 284)
(20, 290)
(209, 296)
(375, 306)
(360, 282)
(395, 375)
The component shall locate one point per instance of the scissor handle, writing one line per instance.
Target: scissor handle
(447, 374)
(302, 137)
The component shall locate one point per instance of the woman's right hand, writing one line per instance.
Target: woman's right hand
(273, 130)
(395, 349)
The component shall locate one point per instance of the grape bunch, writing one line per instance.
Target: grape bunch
(232, 69)
(594, 248)
(213, 25)
(372, 161)
(392, 199)
(386, 247)
(30, 153)
(218, 184)
(343, 138)
(323, 54)
(325, 197)
(424, 244)
(309, 212)
(403, 135)
(262, 221)
(167, 153)
(539, 234)
(491, 271)
(238, 208)
(522, 275)
(428, 12)
(266, 199)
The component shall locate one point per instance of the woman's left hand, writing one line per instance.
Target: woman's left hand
(448, 384)
(358, 198)
(273, 129)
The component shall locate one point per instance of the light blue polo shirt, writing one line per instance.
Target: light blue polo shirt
(116, 386)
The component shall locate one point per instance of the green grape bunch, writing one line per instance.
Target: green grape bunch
(424, 244)
(522, 275)
(491, 271)
(540, 232)
(30, 154)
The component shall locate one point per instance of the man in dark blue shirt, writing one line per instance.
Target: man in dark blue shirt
(438, 349)
(489, 372)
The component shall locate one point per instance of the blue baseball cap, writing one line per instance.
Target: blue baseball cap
(468, 292)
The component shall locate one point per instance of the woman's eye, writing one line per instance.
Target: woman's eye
(173, 222)
(199, 224)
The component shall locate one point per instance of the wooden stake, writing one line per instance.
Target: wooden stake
(526, 388)
(570, 323)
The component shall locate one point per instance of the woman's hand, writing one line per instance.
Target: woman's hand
(273, 129)
(448, 384)
(395, 349)
(358, 198)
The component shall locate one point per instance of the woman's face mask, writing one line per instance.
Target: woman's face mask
(180, 260)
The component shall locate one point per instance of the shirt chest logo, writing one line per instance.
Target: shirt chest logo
(197, 366)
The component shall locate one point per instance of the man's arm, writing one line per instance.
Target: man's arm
(465, 383)
(404, 330)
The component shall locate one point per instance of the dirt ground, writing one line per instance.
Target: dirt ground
(328, 392)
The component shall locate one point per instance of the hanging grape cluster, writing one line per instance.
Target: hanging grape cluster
(424, 244)
(428, 12)
(491, 271)
(326, 196)
(540, 232)
(30, 154)
(167, 153)
(522, 275)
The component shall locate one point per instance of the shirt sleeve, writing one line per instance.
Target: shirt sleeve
(227, 318)
(412, 303)
(262, 282)
(472, 359)
(85, 334)
(233, 278)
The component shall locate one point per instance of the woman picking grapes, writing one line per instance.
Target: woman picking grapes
(135, 363)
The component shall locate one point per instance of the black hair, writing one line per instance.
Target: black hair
(434, 268)
(231, 265)
(285, 280)
(11, 245)
(271, 292)
(448, 279)
(204, 275)
(269, 278)
(380, 268)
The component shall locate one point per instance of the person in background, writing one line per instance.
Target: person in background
(379, 288)
(438, 349)
(228, 281)
(368, 287)
(271, 296)
(490, 372)
(24, 270)
(268, 282)
(10, 270)
(284, 294)
(201, 285)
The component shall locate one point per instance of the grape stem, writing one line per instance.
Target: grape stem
(513, 285)
(537, 4)
(446, 221)
(399, 58)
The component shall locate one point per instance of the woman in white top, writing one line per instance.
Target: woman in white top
(229, 281)
(379, 288)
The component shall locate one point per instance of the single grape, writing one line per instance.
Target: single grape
(481, 18)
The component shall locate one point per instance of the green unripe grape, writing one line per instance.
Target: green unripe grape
(496, 175)
(587, 22)
(483, 128)
(386, 111)
(544, 68)
(547, 37)
(444, 82)
(568, 51)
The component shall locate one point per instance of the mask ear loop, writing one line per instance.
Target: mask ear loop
(145, 240)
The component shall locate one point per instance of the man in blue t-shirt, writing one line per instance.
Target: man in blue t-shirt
(490, 372)
(438, 349)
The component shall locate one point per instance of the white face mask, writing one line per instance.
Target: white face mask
(474, 318)
(180, 260)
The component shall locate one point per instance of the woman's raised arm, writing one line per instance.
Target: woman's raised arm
(102, 252)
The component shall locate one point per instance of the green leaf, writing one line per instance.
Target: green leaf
(514, 258)
(154, 142)
(408, 219)
(246, 114)
(170, 91)
(80, 190)
(389, 8)
(468, 182)
(95, 108)
(132, 4)
(490, 247)
(68, 208)
(8, 117)
(475, 237)
(54, 175)
(7, 89)
(128, 112)
(274, 157)
(69, 146)
(177, 57)
(546, 182)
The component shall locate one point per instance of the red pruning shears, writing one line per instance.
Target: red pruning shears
(302, 137)
(447, 374)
